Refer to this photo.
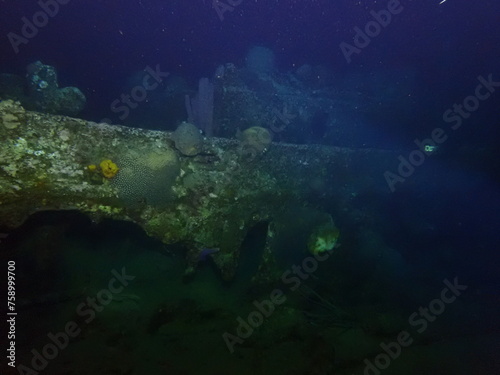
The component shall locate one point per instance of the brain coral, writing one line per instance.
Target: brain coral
(147, 177)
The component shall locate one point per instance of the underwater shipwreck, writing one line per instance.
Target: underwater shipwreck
(183, 188)
(250, 187)
(210, 199)
(208, 229)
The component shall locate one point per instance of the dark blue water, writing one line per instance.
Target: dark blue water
(427, 65)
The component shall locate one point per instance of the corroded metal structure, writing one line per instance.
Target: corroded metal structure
(211, 199)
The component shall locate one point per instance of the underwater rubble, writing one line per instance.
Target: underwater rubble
(39, 90)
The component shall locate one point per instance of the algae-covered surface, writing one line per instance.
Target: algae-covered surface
(208, 200)
(135, 258)
(249, 187)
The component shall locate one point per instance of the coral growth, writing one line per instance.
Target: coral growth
(147, 177)
(12, 114)
(39, 90)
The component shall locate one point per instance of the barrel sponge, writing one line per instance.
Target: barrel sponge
(256, 138)
(147, 177)
(188, 139)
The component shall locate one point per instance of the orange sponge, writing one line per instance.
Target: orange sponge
(108, 168)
